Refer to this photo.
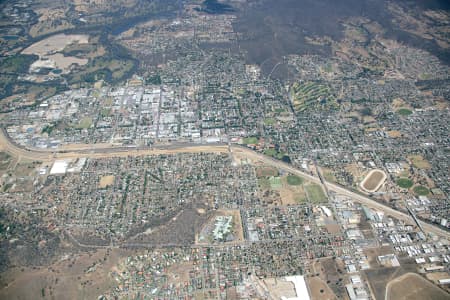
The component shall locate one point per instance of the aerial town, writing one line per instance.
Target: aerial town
(162, 156)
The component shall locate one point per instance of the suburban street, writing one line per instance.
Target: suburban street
(113, 151)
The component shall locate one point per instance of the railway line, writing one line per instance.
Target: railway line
(106, 151)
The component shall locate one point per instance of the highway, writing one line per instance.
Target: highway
(341, 190)
(102, 151)
(120, 151)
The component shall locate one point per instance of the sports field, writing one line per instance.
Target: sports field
(373, 180)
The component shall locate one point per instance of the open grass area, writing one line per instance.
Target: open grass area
(294, 180)
(328, 174)
(270, 152)
(105, 112)
(421, 190)
(275, 182)
(5, 160)
(301, 198)
(311, 95)
(269, 121)
(250, 140)
(264, 183)
(419, 162)
(274, 153)
(266, 172)
(85, 123)
(404, 112)
(279, 110)
(315, 193)
(404, 183)
(100, 68)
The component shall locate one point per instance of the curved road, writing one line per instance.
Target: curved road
(114, 151)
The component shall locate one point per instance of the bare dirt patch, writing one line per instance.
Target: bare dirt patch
(413, 287)
(437, 276)
(46, 50)
(179, 273)
(399, 103)
(76, 276)
(319, 289)
(266, 171)
(331, 272)
(379, 278)
(106, 181)
(353, 169)
(292, 196)
(279, 287)
(55, 43)
(373, 253)
(394, 133)
(50, 20)
(419, 162)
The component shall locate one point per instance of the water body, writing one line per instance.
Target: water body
(10, 37)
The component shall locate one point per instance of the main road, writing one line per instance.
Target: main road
(105, 151)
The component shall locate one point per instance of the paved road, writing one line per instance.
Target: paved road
(97, 152)
(340, 190)
(103, 151)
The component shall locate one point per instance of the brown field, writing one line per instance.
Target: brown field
(441, 104)
(46, 50)
(330, 272)
(106, 181)
(328, 174)
(266, 171)
(279, 287)
(400, 103)
(58, 61)
(373, 253)
(50, 20)
(378, 276)
(319, 289)
(55, 43)
(394, 134)
(373, 180)
(238, 230)
(378, 279)
(67, 278)
(333, 228)
(419, 162)
(413, 287)
(179, 273)
(354, 170)
(292, 195)
(437, 276)
(369, 120)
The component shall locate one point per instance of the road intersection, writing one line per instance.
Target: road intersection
(106, 151)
